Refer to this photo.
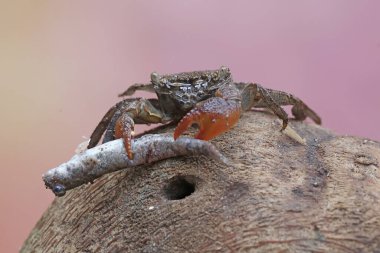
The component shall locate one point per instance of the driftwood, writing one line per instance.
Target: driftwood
(90, 164)
(278, 196)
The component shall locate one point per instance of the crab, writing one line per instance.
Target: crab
(210, 99)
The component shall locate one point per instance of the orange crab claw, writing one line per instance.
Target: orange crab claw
(213, 116)
(123, 129)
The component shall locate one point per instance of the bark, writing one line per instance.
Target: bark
(278, 196)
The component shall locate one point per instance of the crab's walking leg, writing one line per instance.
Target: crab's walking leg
(299, 110)
(109, 157)
(121, 124)
(135, 87)
(214, 115)
(101, 127)
(109, 134)
(254, 95)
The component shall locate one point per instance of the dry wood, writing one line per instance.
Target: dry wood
(279, 196)
(90, 164)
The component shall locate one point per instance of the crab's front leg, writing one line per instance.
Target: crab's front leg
(120, 120)
(214, 115)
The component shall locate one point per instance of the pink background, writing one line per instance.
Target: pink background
(63, 62)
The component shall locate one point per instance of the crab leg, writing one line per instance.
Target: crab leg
(102, 126)
(109, 157)
(299, 110)
(122, 119)
(123, 129)
(137, 86)
(214, 116)
(254, 95)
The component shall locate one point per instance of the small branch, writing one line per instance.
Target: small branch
(289, 131)
(111, 156)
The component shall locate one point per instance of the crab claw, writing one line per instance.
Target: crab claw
(214, 116)
(123, 129)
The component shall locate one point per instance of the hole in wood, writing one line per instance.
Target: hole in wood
(179, 187)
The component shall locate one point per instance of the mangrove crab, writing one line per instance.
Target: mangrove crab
(210, 99)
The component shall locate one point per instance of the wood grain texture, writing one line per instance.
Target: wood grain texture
(279, 196)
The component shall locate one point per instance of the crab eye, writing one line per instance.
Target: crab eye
(59, 190)
(164, 83)
(155, 77)
(224, 71)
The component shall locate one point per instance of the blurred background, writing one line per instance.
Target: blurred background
(62, 63)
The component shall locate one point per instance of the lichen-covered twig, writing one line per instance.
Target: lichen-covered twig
(111, 156)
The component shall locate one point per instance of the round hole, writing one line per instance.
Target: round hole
(179, 187)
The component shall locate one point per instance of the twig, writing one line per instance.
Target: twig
(109, 157)
(290, 132)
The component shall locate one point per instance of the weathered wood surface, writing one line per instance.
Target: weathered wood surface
(279, 197)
